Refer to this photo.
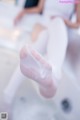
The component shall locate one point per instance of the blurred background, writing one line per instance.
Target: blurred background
(28, 105)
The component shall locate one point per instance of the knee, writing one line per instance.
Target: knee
(58, 21)
(58, 24)
(60, 29)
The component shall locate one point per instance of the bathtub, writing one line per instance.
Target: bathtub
(28, 104)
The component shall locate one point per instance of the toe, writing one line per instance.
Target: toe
(23, 53)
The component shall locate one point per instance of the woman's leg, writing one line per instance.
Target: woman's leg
(37, 68)
(14, 84)
(57, 45)
(56, 49)
(10, 91)
(39, 38)
(18, 77)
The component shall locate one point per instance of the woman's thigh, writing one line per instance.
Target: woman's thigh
(57, 43)
(38, 28)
